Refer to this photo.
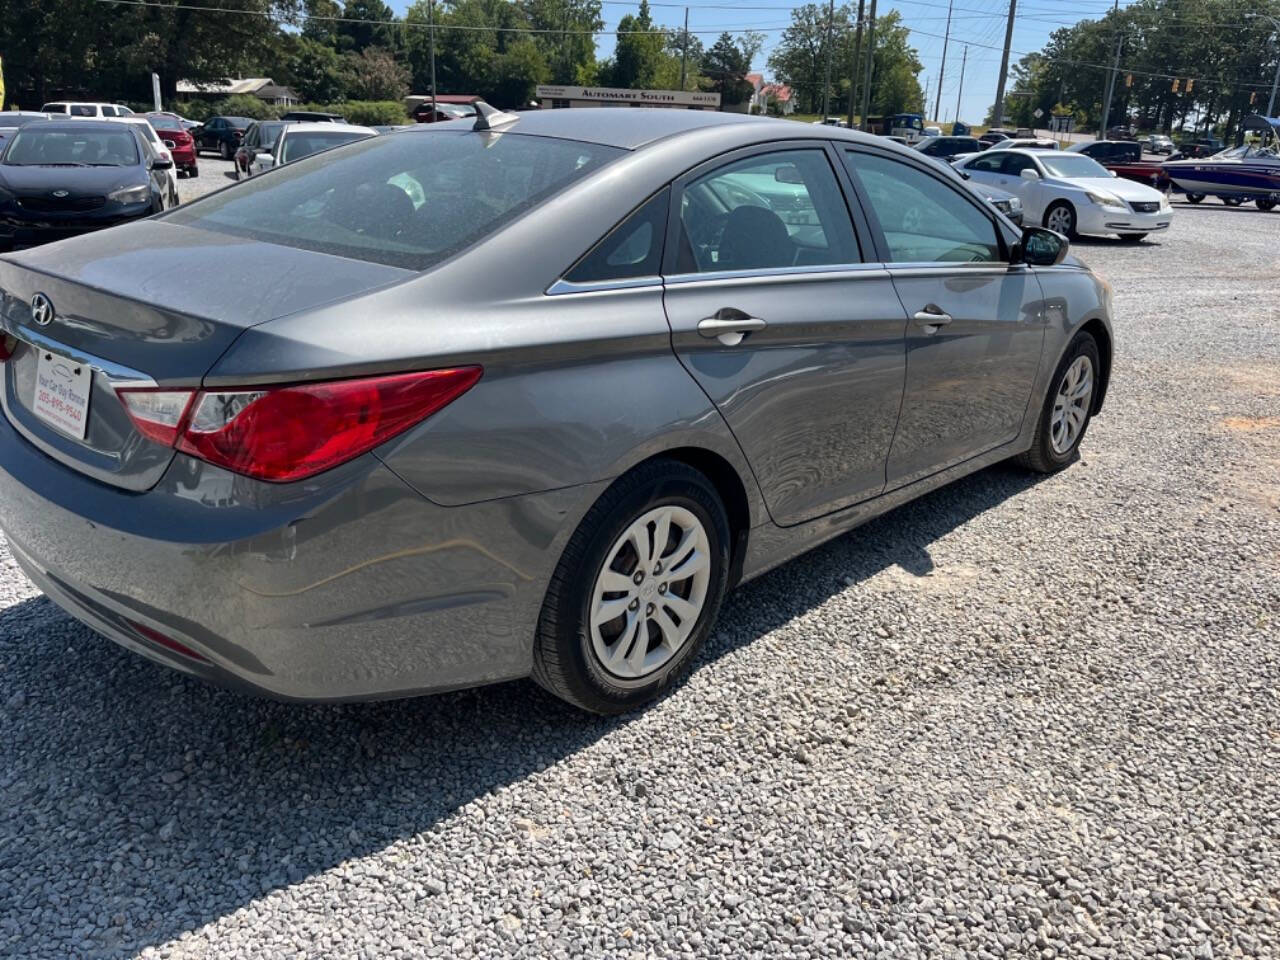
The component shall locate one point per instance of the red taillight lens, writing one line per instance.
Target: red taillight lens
(289, 433)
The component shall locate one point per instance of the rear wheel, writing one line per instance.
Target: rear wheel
(636, 592)
(1061, 218)
(1067, 408)
(193, 171)
(1194, 197)
(224, 150)
(1265, 203)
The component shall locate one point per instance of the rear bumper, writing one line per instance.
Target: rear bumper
(355, 587)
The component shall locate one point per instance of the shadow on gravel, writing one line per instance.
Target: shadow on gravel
(137, 804)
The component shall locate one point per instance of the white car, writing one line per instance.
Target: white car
(148, 133)
(298, 140)
(933, 131)
(1071, 193)
(90, 111)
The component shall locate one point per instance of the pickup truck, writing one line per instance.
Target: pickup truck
(1124, 159)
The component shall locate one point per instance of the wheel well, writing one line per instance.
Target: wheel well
(732, 493)
(1098, 330)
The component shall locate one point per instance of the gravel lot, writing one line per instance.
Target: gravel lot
(215, 173)
(1019, 717)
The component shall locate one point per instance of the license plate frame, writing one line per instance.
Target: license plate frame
(61, 394)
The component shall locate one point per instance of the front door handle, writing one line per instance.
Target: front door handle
(729, 330)
(931, 318)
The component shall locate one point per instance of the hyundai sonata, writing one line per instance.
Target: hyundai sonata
(517, 395)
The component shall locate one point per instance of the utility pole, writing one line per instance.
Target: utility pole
(942, 71)
(1111, 79)
(871, 60)
(431, 52)
(998, 113)
(857, 52)
(926, 96)
(684, 47)
(963, 62)
(826, 82)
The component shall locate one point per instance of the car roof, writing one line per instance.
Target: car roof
(96, 123)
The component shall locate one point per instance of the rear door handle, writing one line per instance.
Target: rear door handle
(729, 331)
(932, 317)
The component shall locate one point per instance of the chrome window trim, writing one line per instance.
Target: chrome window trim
(941, 267)
(563, 286)
(806, 271)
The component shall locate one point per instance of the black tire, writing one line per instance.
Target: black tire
(1133, 237)
(1233, 201)
(224, 150)
(1070, 232)
(1265, 203)
(1041, 457)
(564, 661)
(193, 171)
(1194, 197)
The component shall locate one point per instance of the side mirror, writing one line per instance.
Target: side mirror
(160, 163)
(1113, 173)
(1041, 248)
(1030, 173)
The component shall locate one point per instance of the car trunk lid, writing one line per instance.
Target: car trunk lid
(133, 307)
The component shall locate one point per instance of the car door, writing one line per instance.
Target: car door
(794, 334)
(977, 321)
(212, 134)
(985, 168)
(1030, 192)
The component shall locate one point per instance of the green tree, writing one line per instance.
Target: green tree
(369, 29)
(726, 65)
(373, 74)
(638, 53)
(314, 70)
(566, 46)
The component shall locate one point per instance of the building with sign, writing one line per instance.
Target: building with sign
(550, 96)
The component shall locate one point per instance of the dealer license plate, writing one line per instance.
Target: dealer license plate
(62, 393)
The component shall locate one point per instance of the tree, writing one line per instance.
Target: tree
(800, 58)
(570, 52)
(638, 52)
(370, 29)
(314, 70)
(726, 65)
(373, 74)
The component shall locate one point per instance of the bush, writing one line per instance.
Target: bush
(371, 113)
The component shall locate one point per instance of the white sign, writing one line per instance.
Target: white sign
(1038, 114)
(155, 93)
(659, 98)
(62, 393)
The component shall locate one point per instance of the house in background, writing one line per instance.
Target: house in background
(764, 91)
(264, 88)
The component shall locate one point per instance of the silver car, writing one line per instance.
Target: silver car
(523, 395)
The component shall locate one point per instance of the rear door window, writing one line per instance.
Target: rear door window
(630, 250)
(83, 110)
(409, 200)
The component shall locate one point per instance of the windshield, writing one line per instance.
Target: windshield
(408, 201)
(32, 146)
(1072, 165)
(303, 143)
(238, 121)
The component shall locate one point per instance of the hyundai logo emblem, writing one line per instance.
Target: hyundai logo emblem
(42, 310)
(61, 193)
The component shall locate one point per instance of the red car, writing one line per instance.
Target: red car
(180, 142)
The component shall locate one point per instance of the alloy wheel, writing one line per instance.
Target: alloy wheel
(1060, 220)
(649, 595)
(1071, 405)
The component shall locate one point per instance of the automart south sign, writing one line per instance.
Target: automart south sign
(653, 98)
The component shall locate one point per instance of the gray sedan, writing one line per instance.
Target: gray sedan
(520, 395)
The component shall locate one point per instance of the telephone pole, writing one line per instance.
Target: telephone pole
(826, 81)
(431, 47)
(963, 61)
(942, 71)
(857, 53)
(998, 113)
(684, 47)
(871, 60)
(1111, 79)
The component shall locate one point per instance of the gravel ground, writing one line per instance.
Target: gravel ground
(1019, 717)
(215, 173)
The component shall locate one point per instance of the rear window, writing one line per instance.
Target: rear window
(165, 123)
(406, 201)
(33, 146)
(238, 121)
(83, 110)
(305, 143)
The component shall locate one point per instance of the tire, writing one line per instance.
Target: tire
(1194, 197)
(1045, 455)
(1265, 204)
(1232, 201)
(193, 171)
(1133, 237)
(571, 656)
(224, 151)
(1061, 211)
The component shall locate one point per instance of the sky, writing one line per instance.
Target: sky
(979, 23)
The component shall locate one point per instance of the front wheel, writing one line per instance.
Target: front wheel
(1194, 197)
(224, 151)
(1061, 218)
(636, 592)
(1067, 408)
(1265, 203)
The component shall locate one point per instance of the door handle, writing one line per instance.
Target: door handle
(729, 331)
(931, 318)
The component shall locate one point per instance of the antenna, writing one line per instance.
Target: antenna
(488, 117)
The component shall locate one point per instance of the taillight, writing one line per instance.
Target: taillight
(290, 433)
